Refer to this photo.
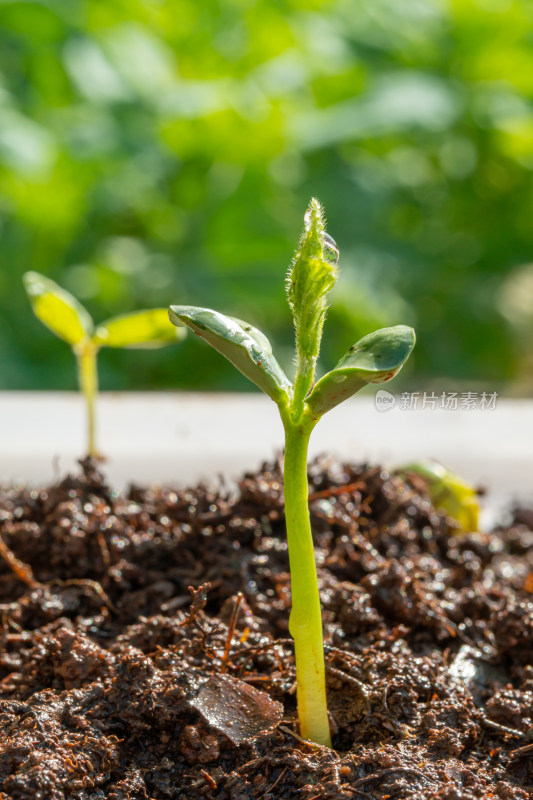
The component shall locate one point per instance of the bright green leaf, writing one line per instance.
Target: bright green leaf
(150, 328)
(376, 358)
(242, 344)
(58, 309)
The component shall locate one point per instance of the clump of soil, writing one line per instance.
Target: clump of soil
(144, 647)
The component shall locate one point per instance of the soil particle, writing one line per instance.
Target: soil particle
(134, 627)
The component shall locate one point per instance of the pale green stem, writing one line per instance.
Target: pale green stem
(306, 618)
(88, 378)
(305, 373)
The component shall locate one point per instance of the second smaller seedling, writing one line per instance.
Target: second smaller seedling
(69, 320)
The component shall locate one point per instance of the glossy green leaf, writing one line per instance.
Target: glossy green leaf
(242, 344)
(376, 358)
(149, 328)
(449, 493)
(58, 309)
(260, 339)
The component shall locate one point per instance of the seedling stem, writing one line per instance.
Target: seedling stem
(88, 379)
(305, 622)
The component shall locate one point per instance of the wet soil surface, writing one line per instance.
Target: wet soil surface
(144, 646)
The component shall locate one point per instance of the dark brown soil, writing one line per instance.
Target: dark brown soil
(144, 649)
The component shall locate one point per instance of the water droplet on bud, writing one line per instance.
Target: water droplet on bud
(331, 251)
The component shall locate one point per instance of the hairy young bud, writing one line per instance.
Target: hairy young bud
(311, 276)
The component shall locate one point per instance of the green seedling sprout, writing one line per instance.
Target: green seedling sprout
(375, 358)
(69, 320)
(449, 493)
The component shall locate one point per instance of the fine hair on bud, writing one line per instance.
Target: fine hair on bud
(312, 274)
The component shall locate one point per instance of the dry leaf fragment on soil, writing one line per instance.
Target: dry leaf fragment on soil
(236, 709)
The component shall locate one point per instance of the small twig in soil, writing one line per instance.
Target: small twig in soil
(503, 728)
(199, 599)
(231, 630)
(253, 761)
(18, 637)
(393, 771)
(350, 679)
(274, 784)
(310, 744)
(22, 571)
(94, 585)
(336, 776)
(336, 490)
(521, 751)
(104, 549)
(208, 779)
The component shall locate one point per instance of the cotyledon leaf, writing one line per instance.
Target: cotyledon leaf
(449, 492)
(260, 338)
(150, 328)
(375, 358)
(242, 344)
(58, 309)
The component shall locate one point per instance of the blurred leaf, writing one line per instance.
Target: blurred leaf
(25, 146)
(58, 309)
(93, 73)
(150, 328)
(399, 102)
(448, 492)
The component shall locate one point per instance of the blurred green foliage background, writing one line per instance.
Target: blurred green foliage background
(164, 151)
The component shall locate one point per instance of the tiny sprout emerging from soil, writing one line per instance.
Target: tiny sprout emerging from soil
(449, 493)
(374, 359)
(69, 320)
